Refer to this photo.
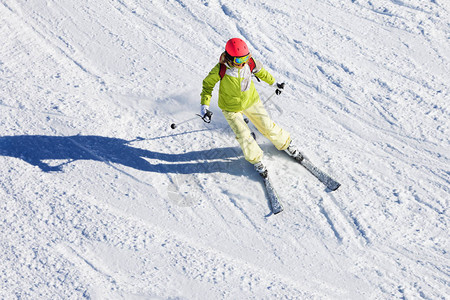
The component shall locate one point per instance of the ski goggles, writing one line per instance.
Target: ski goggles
(241, 60)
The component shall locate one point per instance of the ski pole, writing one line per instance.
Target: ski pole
(173, 125)
(268, 99)
(206, 119)
(277, 91)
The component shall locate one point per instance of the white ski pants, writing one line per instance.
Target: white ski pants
(257, 114)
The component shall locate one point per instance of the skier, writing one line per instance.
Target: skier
(238, 96)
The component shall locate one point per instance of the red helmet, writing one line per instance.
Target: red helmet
(236, 47)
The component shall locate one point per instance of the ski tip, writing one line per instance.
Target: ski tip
(334, 187)
(277, 209)
(274, 212)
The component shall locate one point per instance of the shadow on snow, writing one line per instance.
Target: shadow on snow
(35, 149)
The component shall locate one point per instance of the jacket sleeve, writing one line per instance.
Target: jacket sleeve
(262, 73)
(208, 85)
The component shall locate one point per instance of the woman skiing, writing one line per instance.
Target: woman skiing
(238, 96)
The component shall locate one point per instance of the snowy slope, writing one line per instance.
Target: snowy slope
(100, 199)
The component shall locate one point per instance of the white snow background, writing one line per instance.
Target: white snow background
(101, 199)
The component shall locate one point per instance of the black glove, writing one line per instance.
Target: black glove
(280, 87)
(207, 117)
(205, 113)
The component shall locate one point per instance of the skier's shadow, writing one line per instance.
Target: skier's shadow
(36, 149)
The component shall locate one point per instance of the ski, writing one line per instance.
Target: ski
(275, 203)
(322, 176)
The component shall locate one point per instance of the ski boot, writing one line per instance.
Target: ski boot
(261, 168)
(293, 151)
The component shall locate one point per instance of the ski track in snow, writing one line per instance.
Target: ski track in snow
(102, 200)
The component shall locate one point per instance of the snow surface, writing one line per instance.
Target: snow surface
(101, 199)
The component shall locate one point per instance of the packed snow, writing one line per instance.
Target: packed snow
(101, 199)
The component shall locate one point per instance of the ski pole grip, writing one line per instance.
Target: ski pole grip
(207, 117)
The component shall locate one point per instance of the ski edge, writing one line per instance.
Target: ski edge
(324, 178)
(275, 203)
